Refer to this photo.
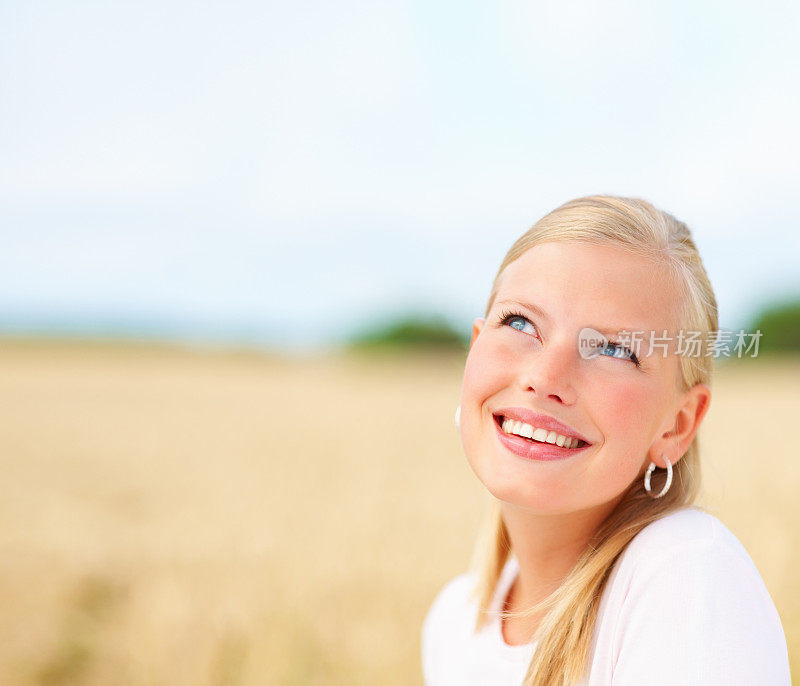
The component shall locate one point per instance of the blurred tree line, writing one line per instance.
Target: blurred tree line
(412, 332)
(779, 325)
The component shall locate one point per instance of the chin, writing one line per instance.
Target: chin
(536, 506)
(539, 499)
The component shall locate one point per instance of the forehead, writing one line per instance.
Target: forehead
(599, 286)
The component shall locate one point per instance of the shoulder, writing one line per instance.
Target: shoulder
(690, 540)
(692, 553)
(682, 529)
(452, 606)
(446, 626)
(686, 584)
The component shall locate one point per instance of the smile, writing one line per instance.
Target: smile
(541, 445)
(538, 434)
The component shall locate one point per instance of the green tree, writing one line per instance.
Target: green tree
(411, 332)
(780, 327)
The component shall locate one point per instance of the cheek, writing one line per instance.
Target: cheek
(624, 415)
(484, 372)
(623, 406)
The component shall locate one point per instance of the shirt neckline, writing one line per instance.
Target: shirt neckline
(507, 577)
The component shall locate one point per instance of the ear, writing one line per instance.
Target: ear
(477, 326)
(676, 441)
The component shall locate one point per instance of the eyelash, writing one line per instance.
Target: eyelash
(507, 315)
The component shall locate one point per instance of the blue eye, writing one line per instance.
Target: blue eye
(620, 352)
(516, 321)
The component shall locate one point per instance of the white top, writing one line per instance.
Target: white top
(684, 604)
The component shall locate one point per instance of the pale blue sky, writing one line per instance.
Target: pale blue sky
(288, 171)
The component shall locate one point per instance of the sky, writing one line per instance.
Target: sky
(289, 173)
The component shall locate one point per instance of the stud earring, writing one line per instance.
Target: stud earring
(650, 471)
(458, 418)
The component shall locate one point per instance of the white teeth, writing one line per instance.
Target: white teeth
(540, 435)
(511, 426)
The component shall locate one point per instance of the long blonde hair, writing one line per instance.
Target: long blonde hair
(565, 632)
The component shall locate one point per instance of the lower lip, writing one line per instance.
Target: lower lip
(534, 450)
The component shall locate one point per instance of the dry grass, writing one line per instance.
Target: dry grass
(170, 517)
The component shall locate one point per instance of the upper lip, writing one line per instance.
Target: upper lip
(540, 421)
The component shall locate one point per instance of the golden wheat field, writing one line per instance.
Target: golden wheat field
(179, 517)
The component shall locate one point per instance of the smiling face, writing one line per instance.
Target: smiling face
(533, 361)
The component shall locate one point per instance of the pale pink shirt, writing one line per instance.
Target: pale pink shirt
(684, 606)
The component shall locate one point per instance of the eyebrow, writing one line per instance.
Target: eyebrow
(607, 330)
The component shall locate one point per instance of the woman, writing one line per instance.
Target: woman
(579, 412)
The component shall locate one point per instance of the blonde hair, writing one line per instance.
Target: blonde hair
(565, 632)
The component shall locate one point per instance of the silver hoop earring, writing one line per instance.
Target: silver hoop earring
(458, 418)
(650, 471)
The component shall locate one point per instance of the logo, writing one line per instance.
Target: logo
(590, 342)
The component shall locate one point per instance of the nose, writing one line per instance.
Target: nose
(548, 371)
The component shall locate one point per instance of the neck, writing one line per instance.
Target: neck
(547, 546)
